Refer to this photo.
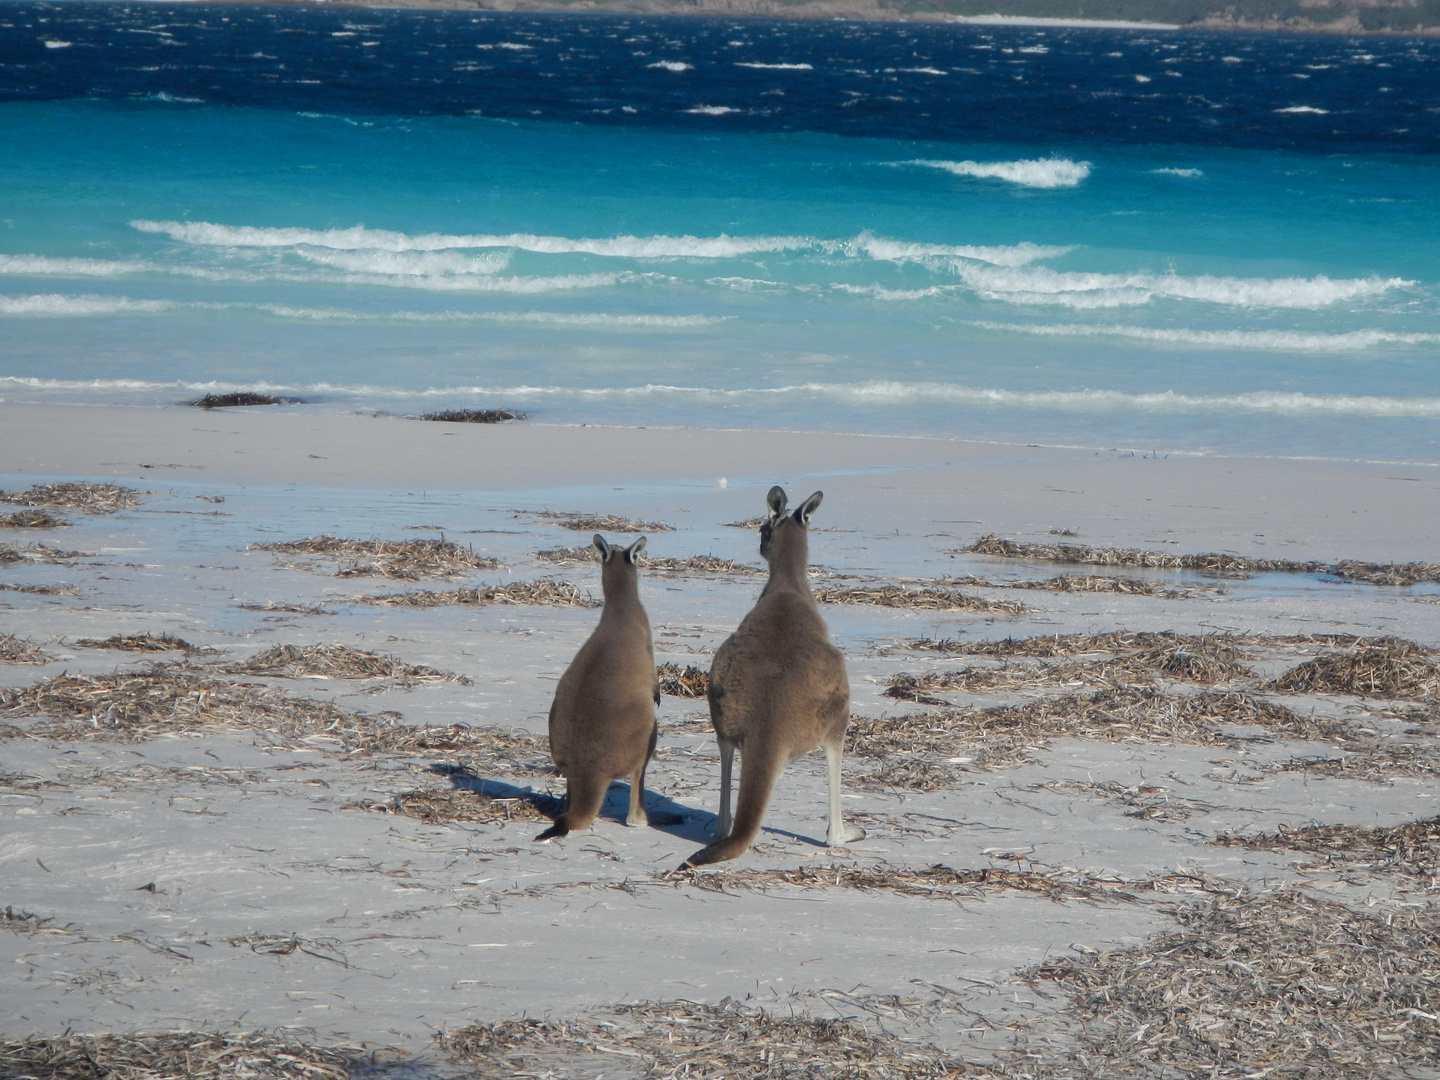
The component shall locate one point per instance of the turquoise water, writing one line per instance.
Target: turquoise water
(1266, 279)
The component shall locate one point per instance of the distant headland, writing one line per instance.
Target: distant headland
(1418, 18)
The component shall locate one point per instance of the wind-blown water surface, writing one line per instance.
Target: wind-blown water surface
(1105, 237)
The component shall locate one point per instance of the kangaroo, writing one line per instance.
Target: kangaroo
(777, 689)
(602, 721)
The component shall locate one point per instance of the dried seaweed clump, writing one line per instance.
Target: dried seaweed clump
(194, 1055)
(145, 643)
(688, 683)
(689, 1039)
(473, 416)
(1210, 562)
(695, 564)
(32, 519)
(601, 522)
(919, 751)
(338, 662)
(1092, 583)
(943, 882)
(404, 559)
(16, 650)
(1277, 985)
(1381, 667)
(1386, 573)
(87, 498)
(547, 592)
(240, 398)
(923, 599)
(1412, 849)
(436, 806)
(166, 699)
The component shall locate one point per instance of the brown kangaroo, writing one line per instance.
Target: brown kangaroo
(602, 721)
(778, 689)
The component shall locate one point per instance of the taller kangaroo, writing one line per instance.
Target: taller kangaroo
(602, 721)
(778, 689)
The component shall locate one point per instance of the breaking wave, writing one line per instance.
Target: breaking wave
(1035, 173)
(1346, 341)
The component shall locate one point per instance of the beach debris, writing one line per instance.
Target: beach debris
(691, 1039)
(918, 599)
(19, 921)
(338, 662)
(435, 806)
(145, 643)
(194, 1055)
(1215, 563)
(39, 553)
(240, 398)
(1149, 802)
(549, 592)
(1091, 583)
(690, 682)
(1377, 667)
(404, 559)
(578, 522)
(1409, 850)
(921, 751)
(87, 498)
(473, 416)
(17, 650)
(32, 519)
(942, 882)
(748, 523)
(1275, 984)
(290, 609)
(695, 564)
(38, 590)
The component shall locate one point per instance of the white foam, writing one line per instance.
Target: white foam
(513, 46)
(1305, 109)
(903, 250)
(361, 238)
(671, 65)
(924, 71)
(1041, 285)
(407, 263)
(775, 67)
(1036, 172)
(1295, 340)
(547, 318)
(712, 110)
(65, 305)
(44, 264)
(51, 43)
(1189, 174)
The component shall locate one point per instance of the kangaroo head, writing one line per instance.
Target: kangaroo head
(617, 563)
(785, 532)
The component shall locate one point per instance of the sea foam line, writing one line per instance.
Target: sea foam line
(876, 393)
(58, 304)
(1034, 172)
(375, 243)
(1041, 285)
(1346, 341)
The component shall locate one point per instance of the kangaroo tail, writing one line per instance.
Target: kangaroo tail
(758, 774)
(584, 796)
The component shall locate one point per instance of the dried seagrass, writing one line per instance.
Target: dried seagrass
(922, 599)
(436, 806)
(695, 564)
(1410, 850)
(404, 559)
(15, 650)
(338, 662)
(193, 1055)
(1381, 667)
(1279, 985)
(144, 643)
(689, 682)
(548, 592)
(1211, 562)
(88, 498)
(599, 522)
(32, 519)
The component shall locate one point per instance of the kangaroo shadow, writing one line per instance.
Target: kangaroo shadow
(665, 813)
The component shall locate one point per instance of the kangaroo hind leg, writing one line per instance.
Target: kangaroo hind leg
(839, 833)
(583, 798)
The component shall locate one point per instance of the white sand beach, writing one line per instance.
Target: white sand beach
(235, 870)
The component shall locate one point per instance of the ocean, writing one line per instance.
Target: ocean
(1161, 241)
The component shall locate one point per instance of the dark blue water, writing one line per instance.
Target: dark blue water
(906, 81)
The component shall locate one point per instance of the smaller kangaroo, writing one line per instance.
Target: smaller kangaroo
(778, 689)
(602, 721)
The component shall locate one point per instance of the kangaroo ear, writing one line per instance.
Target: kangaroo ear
(808, 507)
(633, 550)
(604, 548)
(776, 500)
